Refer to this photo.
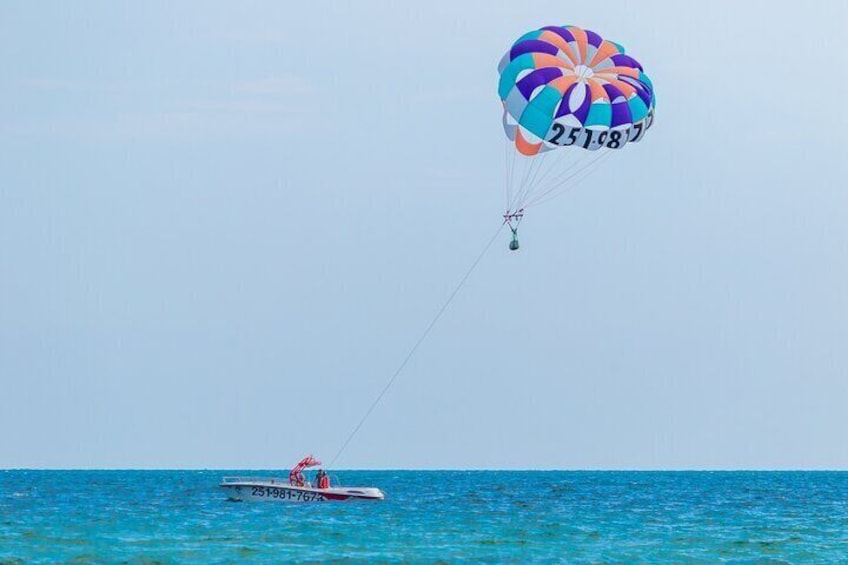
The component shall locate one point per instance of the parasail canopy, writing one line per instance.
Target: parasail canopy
(569, 87)
(570, 99)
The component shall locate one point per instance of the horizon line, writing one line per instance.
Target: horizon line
(457, 470)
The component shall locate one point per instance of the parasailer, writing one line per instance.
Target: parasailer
(512, 219)
(566, 92)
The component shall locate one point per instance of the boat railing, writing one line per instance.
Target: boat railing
(271, 480)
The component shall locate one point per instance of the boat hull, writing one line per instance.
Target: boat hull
(277, 490)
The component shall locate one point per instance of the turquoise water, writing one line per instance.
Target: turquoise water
(486, 516)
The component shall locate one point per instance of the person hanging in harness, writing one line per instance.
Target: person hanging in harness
(512, 219)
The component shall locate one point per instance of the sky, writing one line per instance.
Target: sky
(223, 227)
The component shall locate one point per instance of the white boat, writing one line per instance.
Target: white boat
(296, 488)
(275, 489)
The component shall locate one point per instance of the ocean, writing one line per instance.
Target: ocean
(429, 517)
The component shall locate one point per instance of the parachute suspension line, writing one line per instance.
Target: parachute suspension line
(556, 173)
(588, 169)
(585, 171)
(532, 184)
(526, 183)
(554, 183)
(511, 158)
(564, 184)
(417, 344)
(516, 197)
(535, 164)
(557, 160)
(569, 160)
(528, 190)
(506, 170)
(540, 177)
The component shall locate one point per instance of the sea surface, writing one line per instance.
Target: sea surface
(430, 516)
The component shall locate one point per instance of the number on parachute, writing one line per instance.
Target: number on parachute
(588, 141)
(602, 138)
(559, 129)
(636, 131)
(614, 139)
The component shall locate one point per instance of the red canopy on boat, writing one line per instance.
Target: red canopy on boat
(296, 474)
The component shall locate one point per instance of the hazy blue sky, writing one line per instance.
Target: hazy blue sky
(223, 225)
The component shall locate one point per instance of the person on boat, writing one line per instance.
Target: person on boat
(296, 477)
(322, 480)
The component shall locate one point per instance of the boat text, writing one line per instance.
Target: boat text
(284, 493)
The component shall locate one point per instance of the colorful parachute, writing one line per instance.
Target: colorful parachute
(566, 88)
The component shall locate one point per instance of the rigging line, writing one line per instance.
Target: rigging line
(557, 161)
(550, 179)
(506, 172)
(561, 174)
(511, 159)
(560, 166)
(544, 196)
(418, 343)
(511, 153)
(589, 169)
(521, 194)
(528, 170)
(563, 178)
(532, 184)
(569, 183)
